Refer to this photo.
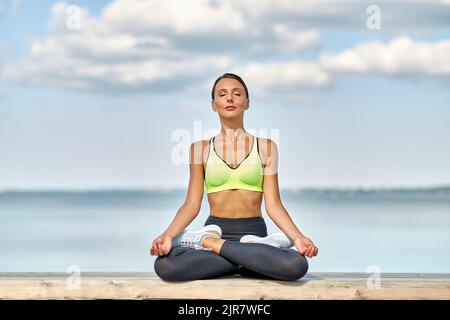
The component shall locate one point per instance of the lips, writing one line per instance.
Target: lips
(230, 108)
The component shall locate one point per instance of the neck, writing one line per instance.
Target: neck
(232, 130)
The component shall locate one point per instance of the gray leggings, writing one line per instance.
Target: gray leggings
(248, 259)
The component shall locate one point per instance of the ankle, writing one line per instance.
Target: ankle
(213, 243)
(209, 241)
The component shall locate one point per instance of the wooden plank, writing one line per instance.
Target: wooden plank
(143, 285)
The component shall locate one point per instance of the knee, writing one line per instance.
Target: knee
(295, 268)
(166, 269)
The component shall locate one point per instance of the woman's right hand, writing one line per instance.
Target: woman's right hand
(161, 245)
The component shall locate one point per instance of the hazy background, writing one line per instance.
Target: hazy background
(96, 107)
(98, 96)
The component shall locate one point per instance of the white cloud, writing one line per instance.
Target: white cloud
(81, 74)
(406, 15)
(399, 56)
(146, 45)
(293, 40)
(258, 8)
(166, 45)
(177, 16)
(285, 76)
(281, 38)
(99, 57)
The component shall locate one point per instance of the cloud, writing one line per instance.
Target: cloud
(137, 45)
(401, 56)
(284, 76)
(146, 45)
(178, 17)
(102, 58)
(282, 38)
(404, 15)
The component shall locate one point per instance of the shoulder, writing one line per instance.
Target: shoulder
(198, 150)
(267, 148)
(200, 144)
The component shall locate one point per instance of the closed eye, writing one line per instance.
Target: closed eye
(238, 94)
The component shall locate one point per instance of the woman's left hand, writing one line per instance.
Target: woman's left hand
(306, 247)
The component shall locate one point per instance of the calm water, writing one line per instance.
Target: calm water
(112, 231)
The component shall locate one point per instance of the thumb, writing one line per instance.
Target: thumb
(166, 246)
(302, 248)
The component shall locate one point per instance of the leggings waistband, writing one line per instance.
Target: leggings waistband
(250, 219)
(235, 228)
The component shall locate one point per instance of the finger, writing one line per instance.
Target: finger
(304, 250)
(166, 248)
(160, 250)
(308, 252)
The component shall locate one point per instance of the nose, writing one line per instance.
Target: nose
(230, 99)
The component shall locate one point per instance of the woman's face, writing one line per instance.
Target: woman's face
(227, 94)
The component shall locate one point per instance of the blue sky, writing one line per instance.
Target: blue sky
(97, 107)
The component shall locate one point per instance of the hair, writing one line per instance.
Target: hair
(229, 76)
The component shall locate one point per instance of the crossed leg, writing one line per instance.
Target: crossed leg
(185, 264)
(256, 259)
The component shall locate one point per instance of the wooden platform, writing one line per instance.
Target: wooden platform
(148, 286)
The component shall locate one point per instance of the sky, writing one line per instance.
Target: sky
(110, 94)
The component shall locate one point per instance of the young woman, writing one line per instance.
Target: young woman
(237, 168)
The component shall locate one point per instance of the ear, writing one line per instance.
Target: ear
(248, 104)
(213, 105)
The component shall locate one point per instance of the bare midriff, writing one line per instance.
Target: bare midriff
(235, 203)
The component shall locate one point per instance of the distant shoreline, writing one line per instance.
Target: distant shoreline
(433, 189)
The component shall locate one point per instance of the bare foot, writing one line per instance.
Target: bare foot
(213, 243)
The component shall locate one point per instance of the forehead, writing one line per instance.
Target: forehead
(228, 84)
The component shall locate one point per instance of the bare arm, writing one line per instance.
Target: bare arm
(272, 200)
(191, 206)
(274, 207)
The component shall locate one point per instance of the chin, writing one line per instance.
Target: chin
(231, 115)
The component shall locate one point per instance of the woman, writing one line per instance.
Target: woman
(237, 168)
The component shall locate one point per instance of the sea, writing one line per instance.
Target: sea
(356, 230)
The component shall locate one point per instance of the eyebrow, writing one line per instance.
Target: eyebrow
(231, 89)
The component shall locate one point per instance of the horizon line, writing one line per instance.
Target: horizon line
(175, 188)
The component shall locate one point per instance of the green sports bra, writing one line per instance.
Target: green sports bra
(248, 175)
